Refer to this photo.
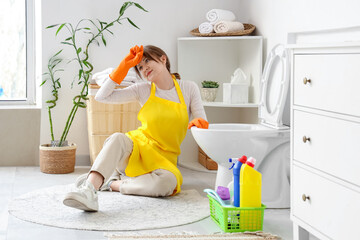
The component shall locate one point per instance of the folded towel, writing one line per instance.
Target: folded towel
(226, 26)
(102, 74)
(130, 78)
(215, 15)
(206, 27)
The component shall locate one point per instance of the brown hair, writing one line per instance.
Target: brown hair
(154, 53)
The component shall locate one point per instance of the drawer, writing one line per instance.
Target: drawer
(333, 146)
(332, 209)
(335, 82)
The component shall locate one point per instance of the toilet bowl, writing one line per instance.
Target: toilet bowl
(268, 142)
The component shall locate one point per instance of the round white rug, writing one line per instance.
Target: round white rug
(117, 212)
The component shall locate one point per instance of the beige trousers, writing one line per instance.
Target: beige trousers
(113, 159)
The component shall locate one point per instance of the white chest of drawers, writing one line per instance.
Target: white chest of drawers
(325, 141)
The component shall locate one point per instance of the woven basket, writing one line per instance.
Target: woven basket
(106, 119)
(248, 29)
(57, 160)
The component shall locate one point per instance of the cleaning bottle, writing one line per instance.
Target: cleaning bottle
(236, 173)
(250, 185)
(236, 166)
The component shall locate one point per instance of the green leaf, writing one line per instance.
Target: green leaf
(80, 73)
(57, 53)
(103, 39)
(139, 6)
(59, 70)
(67, 43)
(56, 61)
(101, 24)
(123, 8)
(51, 26)
(132, 23)
(62, 25)
(79, 50)
(58, 84)
(43, 83)
(109, 31)
(69, 38)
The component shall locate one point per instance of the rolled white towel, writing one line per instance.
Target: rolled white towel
(226, 26)
(215, 15)
(102, 74)
(129, 79)
(206, 27)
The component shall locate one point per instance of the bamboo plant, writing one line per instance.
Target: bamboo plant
(96, 32)
(55, 84)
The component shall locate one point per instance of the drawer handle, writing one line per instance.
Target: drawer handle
(304, 197)
(306, 81)
(305, 139)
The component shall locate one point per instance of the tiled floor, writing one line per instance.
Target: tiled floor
(16, 181)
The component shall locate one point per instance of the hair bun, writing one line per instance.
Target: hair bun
(177, 76)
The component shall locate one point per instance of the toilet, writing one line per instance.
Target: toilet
(268, 142)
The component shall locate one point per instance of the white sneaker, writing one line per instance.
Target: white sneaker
(85, 198)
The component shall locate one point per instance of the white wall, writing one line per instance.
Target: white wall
(274, 19)
(161, 26)
(167, 20)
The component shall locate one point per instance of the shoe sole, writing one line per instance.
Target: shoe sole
(75, 203)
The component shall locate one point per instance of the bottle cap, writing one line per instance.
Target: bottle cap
(251, 161)
(242, 159)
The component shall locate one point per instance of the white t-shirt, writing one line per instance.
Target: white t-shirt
(141, 92)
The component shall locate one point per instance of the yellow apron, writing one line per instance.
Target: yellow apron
(157, 141)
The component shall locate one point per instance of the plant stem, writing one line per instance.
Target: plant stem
(71, 121)
(51, 125)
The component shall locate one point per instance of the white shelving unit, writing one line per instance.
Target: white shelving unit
(216, 59)
(221, 104)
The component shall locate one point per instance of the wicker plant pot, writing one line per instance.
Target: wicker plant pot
(57, 160)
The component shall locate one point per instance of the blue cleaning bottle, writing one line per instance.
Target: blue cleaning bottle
(236, 173)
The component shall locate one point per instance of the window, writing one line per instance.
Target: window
(17, 78)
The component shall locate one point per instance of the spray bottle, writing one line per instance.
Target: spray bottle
(250, 185)
(236, 183)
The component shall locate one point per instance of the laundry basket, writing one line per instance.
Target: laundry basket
(236, 219)
(106, 119)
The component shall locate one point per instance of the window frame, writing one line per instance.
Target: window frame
(31, 66)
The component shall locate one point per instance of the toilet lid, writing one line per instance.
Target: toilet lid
(274, 87)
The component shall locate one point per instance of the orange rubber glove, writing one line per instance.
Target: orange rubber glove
(199, 123)
(131, 60)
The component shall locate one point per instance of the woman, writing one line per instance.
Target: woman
(148, 155)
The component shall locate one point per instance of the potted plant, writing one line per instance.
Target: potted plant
(209, 90)
(59, 156)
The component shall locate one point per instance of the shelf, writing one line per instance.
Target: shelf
(219, 38)
(222, 104)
